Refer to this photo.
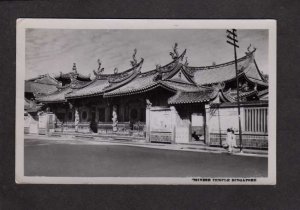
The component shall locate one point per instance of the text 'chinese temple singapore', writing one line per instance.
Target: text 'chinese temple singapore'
(173, 103)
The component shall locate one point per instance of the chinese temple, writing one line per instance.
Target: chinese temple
(173, 103)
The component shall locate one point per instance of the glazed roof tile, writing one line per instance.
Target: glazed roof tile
(57, 96)
(193, 97)
(140, 83)
(96, 87)
(39, 88)
(126, 78)
(263, 92)
(225, 72)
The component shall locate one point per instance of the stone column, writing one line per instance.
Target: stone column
(173, 123)
(107, 114)
(114, 118)
(76, 119)
(207, 122)
(148, 124)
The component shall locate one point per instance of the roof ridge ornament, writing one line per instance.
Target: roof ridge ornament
(99, 70)
(219, 86)
(186, 63)
(74, 68)
(73, 78)
(116, 70)
(134, 61)
(175, 54)
(159, 71)
(249, 52)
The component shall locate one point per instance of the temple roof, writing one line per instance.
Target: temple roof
(193, 97)
(199, 75)
(189, 87)
(31, 106)
(231, 95)
(44, 79)
(37, 88)
(140, 83)
(57, 96)
(106, 82)
(92, 89)
(226, 72)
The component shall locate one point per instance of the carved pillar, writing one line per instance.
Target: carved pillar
(148, 123)
(114, 118)
(148, 108)
(107, 114)
(173, 121)
(207, 123)
(76, 119)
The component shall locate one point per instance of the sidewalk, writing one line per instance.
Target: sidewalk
(141, 142)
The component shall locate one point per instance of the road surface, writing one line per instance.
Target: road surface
(83, 158)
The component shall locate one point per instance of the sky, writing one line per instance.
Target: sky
(55, 50)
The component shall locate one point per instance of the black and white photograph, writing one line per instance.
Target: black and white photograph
(146, 102)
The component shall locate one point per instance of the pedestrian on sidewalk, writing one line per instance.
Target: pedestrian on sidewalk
(229, 139)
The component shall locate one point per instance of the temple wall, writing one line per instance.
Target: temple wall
(30, 124)
(253, 136)
(223, 118)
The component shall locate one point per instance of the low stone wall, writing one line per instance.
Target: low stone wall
(256, 141)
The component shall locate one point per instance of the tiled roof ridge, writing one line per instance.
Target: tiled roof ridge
(195, 68)
(232, 98)
(83, 85)
(259, 72)
(57, 91)
(154, 71)
(179, 82)
(38, 80)
(209, 94)
(105, 76)
(78, 75)
(113, 86)
(146, 88)
(263, 92)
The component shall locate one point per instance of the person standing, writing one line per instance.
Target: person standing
(233, 139)
(229, 140)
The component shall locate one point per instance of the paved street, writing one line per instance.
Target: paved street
(78, 158)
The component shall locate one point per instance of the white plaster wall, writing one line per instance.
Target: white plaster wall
(224, 118)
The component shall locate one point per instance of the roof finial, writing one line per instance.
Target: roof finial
(134, 61)
(99, 70)
(157, 67)
(74, 68)
(186, 63)
(116, 70)
(174, 54)
(249, 50)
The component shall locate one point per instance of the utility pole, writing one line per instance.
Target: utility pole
(232, 40)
